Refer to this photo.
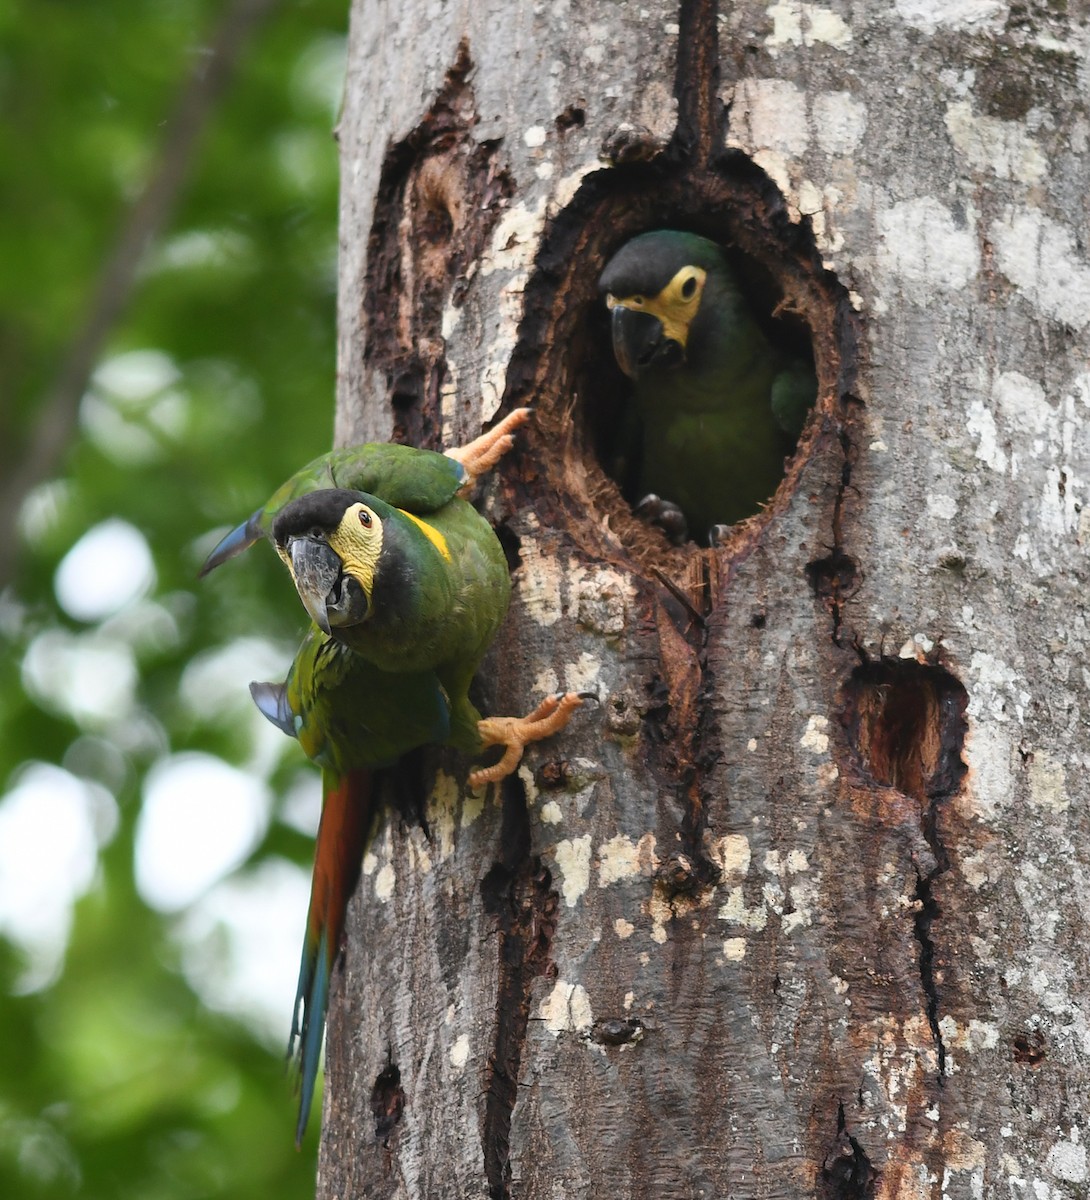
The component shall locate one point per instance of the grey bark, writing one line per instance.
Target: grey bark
(798, 909)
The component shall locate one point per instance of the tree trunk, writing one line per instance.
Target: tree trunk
(789, 912)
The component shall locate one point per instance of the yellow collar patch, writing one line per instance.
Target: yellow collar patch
(431, 533)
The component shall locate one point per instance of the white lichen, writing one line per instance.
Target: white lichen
(573, 860)
(797, 23)
(734, 949)
(384, 882)
(538, 584)
(1002, 148)
(814, 737)
(1040, 257)
(566, 1009)
(459, 1052)
(622, 858)
(923, 248)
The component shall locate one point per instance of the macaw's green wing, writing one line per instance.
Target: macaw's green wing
(793, 393)
(418, 481)
(349, 714)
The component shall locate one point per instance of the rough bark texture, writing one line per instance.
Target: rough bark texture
(798, 909)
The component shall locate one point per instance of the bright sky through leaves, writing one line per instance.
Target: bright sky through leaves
(107, 569)
(200, 819)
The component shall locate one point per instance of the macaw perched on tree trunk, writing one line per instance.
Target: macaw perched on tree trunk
(405, 601)
(720, 406)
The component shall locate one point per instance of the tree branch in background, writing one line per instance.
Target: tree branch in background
(52, 433)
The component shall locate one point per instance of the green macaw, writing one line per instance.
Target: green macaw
(719, 406)
(405, 606)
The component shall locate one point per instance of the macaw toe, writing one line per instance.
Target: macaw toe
(516, 733)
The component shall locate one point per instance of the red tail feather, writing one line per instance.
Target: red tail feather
(338, 855)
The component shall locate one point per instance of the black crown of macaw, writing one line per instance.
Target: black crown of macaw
(716, 406)
(407, 585)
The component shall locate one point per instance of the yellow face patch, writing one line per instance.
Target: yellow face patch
(675, 306)
(357, 542)
(430, 532)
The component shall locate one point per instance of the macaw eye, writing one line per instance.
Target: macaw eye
(688, 288)
(365, 518)
(637, 301)
(317, 534)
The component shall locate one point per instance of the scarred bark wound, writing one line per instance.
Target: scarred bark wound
(846, 1172)
(439, 194)
(387, 1101)
(906, 726)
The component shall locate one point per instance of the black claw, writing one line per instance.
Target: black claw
(666, 515)
(717, 535)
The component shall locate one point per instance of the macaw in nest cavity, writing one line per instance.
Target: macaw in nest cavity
(719, 406)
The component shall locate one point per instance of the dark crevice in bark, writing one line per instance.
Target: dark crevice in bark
(387, 1101)
(700, 114)
(906, 725)
(617, 1031)
(927, 912)
(706, 754)
(1030, 1048)
(573, 117)
(512, 545)
(408, 785)
(680, 735)
(519, 896)
(439, 194)
(835, 577)
(846, 1172)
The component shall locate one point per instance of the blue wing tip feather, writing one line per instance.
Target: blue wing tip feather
(240, 538)
(272, 702)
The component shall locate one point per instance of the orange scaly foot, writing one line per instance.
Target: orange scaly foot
(483, 453)
(516, 733)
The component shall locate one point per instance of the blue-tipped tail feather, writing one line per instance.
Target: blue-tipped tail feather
(338, 855)
(308, 1023)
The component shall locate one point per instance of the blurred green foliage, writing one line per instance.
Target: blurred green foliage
(116, 1079)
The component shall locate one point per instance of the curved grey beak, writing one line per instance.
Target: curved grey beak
(638, 341)
(316, 569)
